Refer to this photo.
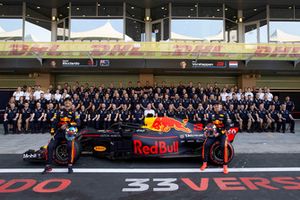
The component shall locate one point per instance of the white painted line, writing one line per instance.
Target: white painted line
(151, 170)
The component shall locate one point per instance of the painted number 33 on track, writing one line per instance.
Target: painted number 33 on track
(223, 183)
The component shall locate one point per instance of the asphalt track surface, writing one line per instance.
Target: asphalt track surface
(95, 178)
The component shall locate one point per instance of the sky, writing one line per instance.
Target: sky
(198, 28)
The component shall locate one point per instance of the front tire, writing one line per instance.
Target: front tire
(60, 153)
(215, 153)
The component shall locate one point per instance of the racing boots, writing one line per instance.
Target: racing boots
(225, 169)
(204, 166)
(47, 169)
(70, 169)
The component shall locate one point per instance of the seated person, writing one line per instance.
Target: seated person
(149, 112)
(10, 118)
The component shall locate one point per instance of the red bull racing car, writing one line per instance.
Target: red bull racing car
(161, 137)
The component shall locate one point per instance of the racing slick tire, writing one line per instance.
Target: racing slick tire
(215, 154)
(60, 154)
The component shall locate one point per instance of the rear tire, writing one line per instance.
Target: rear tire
(215, 153)
(60, 153)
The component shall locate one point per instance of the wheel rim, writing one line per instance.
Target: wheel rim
(217, 154)
(62, 152)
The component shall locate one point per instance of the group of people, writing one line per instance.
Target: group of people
(33, 110)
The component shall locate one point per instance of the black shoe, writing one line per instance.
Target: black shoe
(47, 169)
(293, 132)
(70, 170)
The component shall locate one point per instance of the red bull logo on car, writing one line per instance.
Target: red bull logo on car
(159, 147)
(165, 124)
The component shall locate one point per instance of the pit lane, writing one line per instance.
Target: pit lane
(154, 179)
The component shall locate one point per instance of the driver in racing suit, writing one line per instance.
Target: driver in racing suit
(219, 119)
(63, 119)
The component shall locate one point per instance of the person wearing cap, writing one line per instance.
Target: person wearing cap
(219, 119)
(63, 119)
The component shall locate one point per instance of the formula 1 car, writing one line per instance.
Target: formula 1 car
(161, 137)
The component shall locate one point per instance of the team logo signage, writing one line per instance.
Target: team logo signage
(150, 145)
(150, 50)
(166, 124)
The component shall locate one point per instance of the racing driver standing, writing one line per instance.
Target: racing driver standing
(64, 119)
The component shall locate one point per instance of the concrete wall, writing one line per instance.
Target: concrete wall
(96, 79)
(203, 79)
(275, 82)
(15, 80)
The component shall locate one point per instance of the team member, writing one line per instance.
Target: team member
(277, 103)
(176, 101)
(76, 101)
(18, 93)
(186, 101)
(243, 118)
(135, 101)
(36, 118)
(267, 102)
(219, 119)
(137, 115)
(113, 115)
(290, 105)
(180, 112)
(232, 115)
(20, 103)
(92, 117)
(171, 111)
(64, 119)
(43, 101)
(32, 103)
(103, 117)
(126, 101)
(191, 114)
(125, 114)
(253, 117)
(149, 112)
(160, 112)
(166, 102)
(117, 100)
(107, 101)
(10, 118)
(144, 102)
(263, 118)
(200, 114)
(86, 101)
(83, 117)
(274, 115)
(287, 118)
(156, 101)
(49, 118)
(24, 118)
(53, 101)
(195, 101)
(227, 103)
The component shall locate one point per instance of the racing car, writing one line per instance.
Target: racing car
(161, 137)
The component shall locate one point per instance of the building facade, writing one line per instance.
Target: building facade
(245, 43)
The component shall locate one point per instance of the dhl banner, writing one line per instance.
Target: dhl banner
(150, 50)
